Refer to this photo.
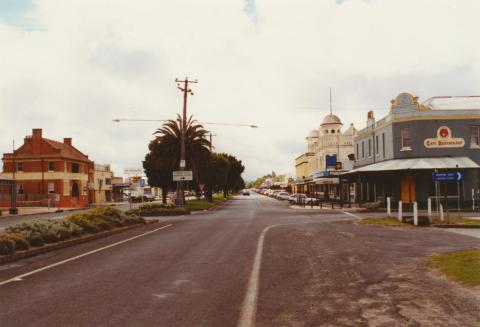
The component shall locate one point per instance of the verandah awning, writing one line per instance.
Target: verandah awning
(419, 164)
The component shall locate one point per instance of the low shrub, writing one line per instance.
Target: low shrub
(35, 239)
(372, 205)
(21, 242)
(7, 245)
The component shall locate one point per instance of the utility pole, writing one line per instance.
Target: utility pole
(210, 135)
(186, 91)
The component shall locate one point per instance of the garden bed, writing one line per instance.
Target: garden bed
(36, 234)
(158, 209)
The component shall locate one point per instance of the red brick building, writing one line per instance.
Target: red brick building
(49, 171)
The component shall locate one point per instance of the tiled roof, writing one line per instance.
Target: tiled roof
(67, 151)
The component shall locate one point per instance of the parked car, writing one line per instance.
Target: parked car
(283, 195)
(246, 192)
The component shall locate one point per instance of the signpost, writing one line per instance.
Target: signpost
(450, 177)
(182, 175)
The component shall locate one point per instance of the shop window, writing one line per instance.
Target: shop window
(75, 168)
(475, 136)
(406, 140)
(51, 187)
(51, 166)
(20, 166)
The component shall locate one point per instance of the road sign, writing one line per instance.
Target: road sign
(447, 177)
(182, 175)
(182, 163)
(133, 171)
(142, 183)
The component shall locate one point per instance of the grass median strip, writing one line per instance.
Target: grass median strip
(463, 266)
(386, 221)
(203, 204)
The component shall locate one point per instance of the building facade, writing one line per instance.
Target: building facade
(397, 155)
(102, 184)
(48, 172)
(330, 152)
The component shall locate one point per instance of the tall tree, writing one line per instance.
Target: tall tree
(164, 155)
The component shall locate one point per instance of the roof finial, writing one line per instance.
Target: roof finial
(330, 100)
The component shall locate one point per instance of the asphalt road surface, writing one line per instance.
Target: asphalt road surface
(253, 262)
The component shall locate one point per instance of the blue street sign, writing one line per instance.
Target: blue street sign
(447, 177)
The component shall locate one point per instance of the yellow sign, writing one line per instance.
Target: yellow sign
(444, 139)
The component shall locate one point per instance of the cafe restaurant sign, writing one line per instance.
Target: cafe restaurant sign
(444, 139)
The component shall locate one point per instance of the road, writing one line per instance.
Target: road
(253, 262)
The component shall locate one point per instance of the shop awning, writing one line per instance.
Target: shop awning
(419, 164)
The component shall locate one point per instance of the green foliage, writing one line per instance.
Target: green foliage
(35, 239)
(48, 230)
(386, 221)
(7, 245)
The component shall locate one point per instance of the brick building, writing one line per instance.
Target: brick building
(49, 171)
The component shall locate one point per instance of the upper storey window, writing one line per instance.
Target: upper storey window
(475, 136)
(406, 139)
(75, 168)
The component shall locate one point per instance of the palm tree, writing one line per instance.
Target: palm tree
(197, 145)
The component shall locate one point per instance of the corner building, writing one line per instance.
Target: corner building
(48, 172)
(397, 155)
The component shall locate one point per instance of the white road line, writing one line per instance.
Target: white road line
(249, 306)
(352, 215)
(20, 277)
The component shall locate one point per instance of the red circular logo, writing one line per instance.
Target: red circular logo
(444, 132)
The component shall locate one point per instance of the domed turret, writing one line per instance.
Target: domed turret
(331, 119)
(313, 133)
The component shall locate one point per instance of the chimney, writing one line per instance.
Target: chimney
(67, 140)
(37, 133)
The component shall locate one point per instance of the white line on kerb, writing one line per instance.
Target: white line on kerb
(249, 306)
(19, 277)
(352, 215)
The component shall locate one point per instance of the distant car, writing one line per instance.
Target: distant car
(246, 192)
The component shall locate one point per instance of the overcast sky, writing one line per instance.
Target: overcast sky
(70, 67)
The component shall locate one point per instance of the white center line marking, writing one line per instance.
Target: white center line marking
(20, 277)
(249, 306)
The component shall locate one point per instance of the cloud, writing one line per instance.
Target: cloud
(92, 61)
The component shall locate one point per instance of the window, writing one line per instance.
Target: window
(363, 149)
(332, 131)
(75, 168)
(51, 187)
(326, 131)
(51, 166)
(20, 166)
(383, 144)
(475, 136)
(377, 150)
(108, 181)
(358, 152)
(406, 141)
(20, 189)
(369, 148)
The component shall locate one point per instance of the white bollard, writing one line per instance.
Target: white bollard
(400, 218)
(473, 199)
(441, 212)
(389, 209)
(429, 208)
(415, 213)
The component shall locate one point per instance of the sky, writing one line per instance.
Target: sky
(70, 67)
